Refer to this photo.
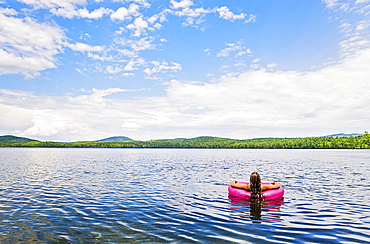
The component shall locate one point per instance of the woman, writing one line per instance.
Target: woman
(255, 186)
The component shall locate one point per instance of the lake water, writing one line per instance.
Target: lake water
(180, 196)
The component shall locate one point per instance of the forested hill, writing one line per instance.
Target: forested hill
(5, 140)
(115, 139)
(325, 142)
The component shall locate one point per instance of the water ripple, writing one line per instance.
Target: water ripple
(180, 196)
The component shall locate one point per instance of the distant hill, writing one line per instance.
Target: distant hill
(207, 138)
(14, 139)
(200, 138)
(345, 135)
(115, 139)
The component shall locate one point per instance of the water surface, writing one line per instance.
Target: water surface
(180, 196)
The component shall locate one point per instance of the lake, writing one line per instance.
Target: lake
(50, 195)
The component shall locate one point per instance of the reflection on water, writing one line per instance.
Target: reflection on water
(257, 211)
(181, 196)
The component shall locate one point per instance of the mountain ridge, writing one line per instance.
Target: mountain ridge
(115, 139)
(17, 139)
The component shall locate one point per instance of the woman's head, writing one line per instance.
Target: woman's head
(255, 178)
(255, 186)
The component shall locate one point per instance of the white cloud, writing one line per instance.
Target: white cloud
(353, 45)
(362, 1)
(114, 69)
(81, 13)
(96, 14)
(181, 4)
(130, 126)
(134, 63)
(363, 25)
(26, 46)
(49, 123)
(194, 17)
(68, 8)
(53, 3)
(335, 96)
(99, 57)
(139, 26)
(225, 13)
(82, 47)
(126, 13)
(193, 13)
(145, 43)
(252, 18)
(358, 6)
(252, 104)
(330, 3)
(345, 28)
(8, 11)
(128, 53)
(356, 33)
(162, 66)
(143, 3)
(236, 49)
(96, 98)
(161, 17)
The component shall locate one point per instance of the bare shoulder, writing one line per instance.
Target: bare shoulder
(240, 185)
(265, 187)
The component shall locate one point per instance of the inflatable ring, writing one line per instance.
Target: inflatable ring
(267, 195)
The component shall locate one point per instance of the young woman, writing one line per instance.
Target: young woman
(255, 186)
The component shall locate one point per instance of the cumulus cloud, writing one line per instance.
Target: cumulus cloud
(68, 8)
(334, 96)
(191, 13)
(162, 66)
(125, 13)
(236, 49)
(26, 46)
(134, 63)
(254, 103)
(82, 47)
(196, 16)
(143, 3)
(181, 4)
(81, 13)
(145, 43)
(139, 26)
(225, 13)
(128, 53)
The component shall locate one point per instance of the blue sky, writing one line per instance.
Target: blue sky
(90, 69)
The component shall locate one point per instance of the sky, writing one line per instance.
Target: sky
(77, 70)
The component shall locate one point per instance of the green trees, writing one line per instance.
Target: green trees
(351, 142)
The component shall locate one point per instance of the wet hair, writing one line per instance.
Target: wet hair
(255, 187)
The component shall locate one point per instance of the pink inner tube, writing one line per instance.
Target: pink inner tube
(267, 195)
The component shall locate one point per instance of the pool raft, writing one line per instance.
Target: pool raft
(267, 195)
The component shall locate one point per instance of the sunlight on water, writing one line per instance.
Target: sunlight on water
(180, 195)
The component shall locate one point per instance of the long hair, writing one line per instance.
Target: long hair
(255, 186)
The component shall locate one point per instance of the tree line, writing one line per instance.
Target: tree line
(352, 142)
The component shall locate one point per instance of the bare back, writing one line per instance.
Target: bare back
(264, 187)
